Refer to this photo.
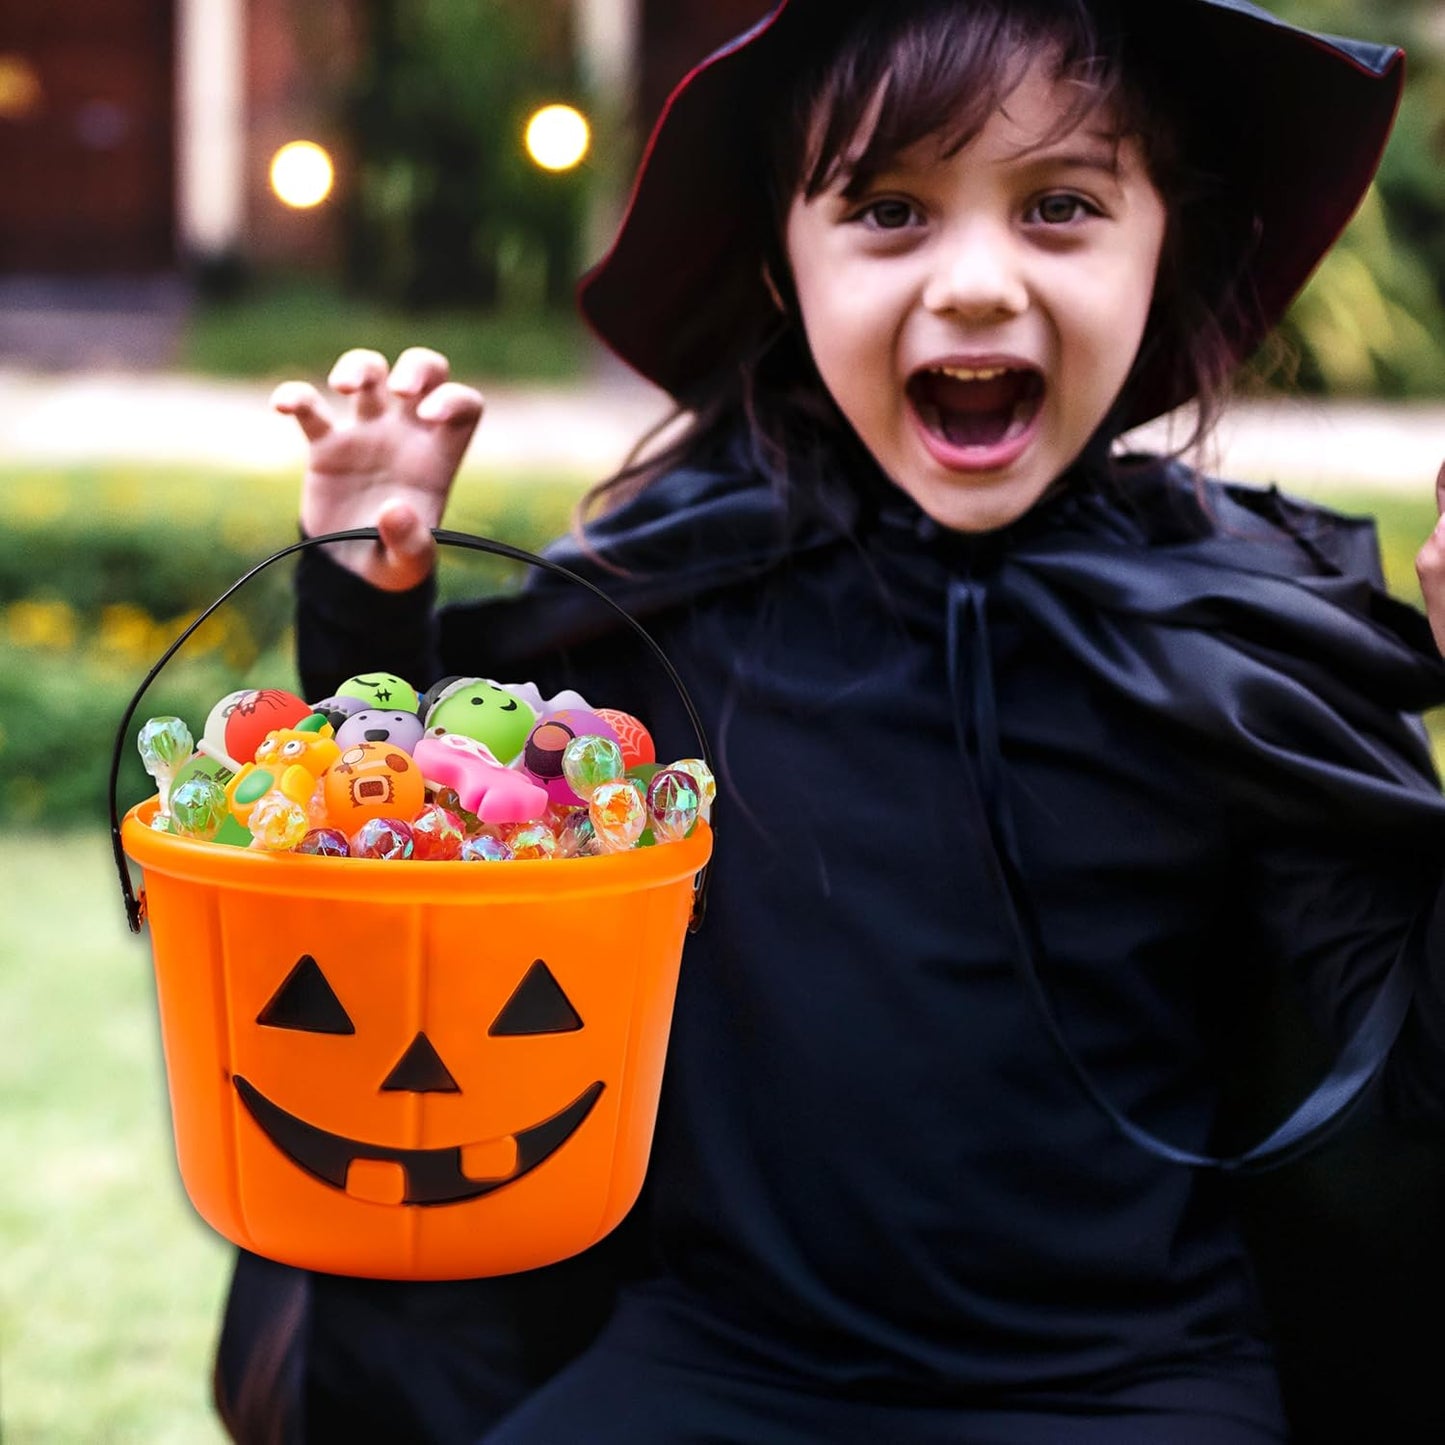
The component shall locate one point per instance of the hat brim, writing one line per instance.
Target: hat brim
(681, 292)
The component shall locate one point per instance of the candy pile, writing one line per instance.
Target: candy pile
(472, 770)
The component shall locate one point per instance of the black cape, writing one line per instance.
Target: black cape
(1250, 632)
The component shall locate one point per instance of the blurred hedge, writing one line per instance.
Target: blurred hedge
(1372, 320)
(102, 568)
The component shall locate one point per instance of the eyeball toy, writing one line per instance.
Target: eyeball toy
(372, 780)
(381, 725)
(380, 689)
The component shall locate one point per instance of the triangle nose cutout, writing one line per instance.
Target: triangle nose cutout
(420, 1071)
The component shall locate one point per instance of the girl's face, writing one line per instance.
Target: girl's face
(975, 316)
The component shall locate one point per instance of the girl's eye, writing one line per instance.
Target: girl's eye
(1062, 209)
(888, 214)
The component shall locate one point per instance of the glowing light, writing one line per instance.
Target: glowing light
(558, 137)
(21, 93)
(302, 174)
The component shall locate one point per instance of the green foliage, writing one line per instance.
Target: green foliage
(448, 209)
(101, 569)
(1370, 321)
(1373, 318)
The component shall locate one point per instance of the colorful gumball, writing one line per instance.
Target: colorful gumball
(389, 839)
(372, 780)
(634, 739)
(619, 814)
(590, 761)
(437, 835)
(325, 843)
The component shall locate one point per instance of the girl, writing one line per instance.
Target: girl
(1037, 761)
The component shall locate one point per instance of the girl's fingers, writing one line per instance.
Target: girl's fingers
(301, 400)
(407, 541)
(1430, 571)
(418, 370)
(451, 404)
(1440, 490)
(361, 374)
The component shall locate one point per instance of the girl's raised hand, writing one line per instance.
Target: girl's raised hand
(1430, 567)
(386, 459)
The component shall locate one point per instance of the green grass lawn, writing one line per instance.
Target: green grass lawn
(298, 327)
(110, 1285)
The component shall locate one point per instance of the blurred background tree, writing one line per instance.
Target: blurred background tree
(447, 208)
(1372, 320)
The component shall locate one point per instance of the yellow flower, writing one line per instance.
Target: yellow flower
(42, 624)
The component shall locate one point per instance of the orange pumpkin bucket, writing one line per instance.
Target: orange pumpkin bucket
(418, 1070)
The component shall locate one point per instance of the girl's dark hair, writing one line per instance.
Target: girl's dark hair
(943, 67)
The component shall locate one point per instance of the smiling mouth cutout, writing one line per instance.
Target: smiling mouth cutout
(976, 406)
(382, 1175)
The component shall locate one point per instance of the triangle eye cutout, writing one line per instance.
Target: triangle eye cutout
(537, 1006)
(420, 1071)
(306, 1001)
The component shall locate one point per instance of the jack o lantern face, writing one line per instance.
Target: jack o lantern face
(378, 1173)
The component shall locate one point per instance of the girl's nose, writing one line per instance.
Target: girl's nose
(976, 276)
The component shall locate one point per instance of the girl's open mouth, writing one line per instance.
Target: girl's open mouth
(976, 417)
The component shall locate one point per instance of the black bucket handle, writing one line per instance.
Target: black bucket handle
(134, 909)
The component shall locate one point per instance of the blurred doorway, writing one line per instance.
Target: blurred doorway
(87, 114)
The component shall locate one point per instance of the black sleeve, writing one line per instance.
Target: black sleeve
(345, 626)
(1334, 915)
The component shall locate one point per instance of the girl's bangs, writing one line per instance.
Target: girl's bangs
(940, 69)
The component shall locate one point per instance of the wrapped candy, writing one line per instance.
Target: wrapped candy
(165, 745)
(619, 814)
(674, 802)
(485, 847)
(437, 835)
(706, 784)
(325, 843)
(277, 823)
(386, 838)
(530, 840)
(576, 835)
(589, 761)
(198, 808)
